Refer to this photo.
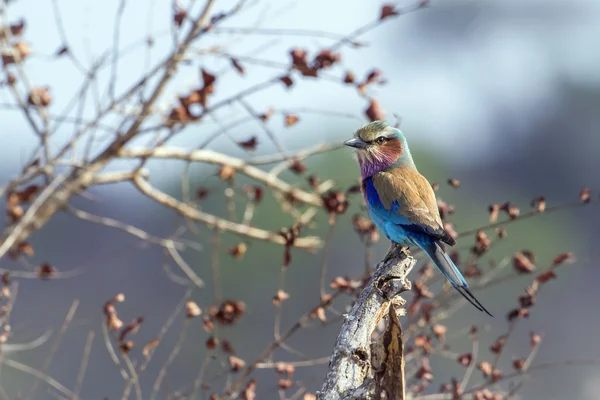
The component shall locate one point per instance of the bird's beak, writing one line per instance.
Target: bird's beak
(356, 142)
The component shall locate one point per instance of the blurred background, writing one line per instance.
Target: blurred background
(503, 95)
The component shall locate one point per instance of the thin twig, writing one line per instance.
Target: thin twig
(84, 363)
(212, 157)
(174, 353)
(143, 186)
(132, 230)
(56, 344)
(41, 376)
(184, 266)
(133, 378)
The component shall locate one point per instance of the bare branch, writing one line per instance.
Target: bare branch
(132, 230)
(119, 176)
(38, 374)
(213, 157)
(309, 242)
(351, 369)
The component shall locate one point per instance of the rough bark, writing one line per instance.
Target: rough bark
(360, 368)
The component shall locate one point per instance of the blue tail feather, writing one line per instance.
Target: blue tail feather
(442, 260)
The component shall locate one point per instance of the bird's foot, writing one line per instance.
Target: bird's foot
(405, 251)
(394, 252)
(391, 252)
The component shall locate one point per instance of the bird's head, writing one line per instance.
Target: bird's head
(379, 146)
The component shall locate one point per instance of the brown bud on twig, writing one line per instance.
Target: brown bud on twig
(498, 345)
(539, 203)
(228, 312)
(320, 313)
(113, 322)
(424, 372)
(325, 59)
(126, 347)
(286, 369)
(472, 270)
(423, 342)
(375, 112)
(421, 290)
(192, 309)
(201, 193)
(21, 248)
(287, 81)
(535, 339)
(497, 375)
(28, 194)
(179, 16)
(235, 363)
(482, 243)
(335, 203)
(485, 368)
(207, 324)
(585, 195)
(238, 67)
(149, 347)
(280, 297)
(291, 119)
(465, 359)
(19, 51)
(374, 76)
(388, 10)
(512, 210)
(119, 298)
(365, 228)
(546, 276)
(297, 166)
(439, 331)
(527, 300)
(494, 209)
(455, 183)
(340, 283)
(313, 181)
(40, 96)
(285, 383)
(266, 115)
(131, 328)
(517, 313)
(239, 250)
(211, 343)
(563, 258)
(249, 392)
(523, 262)
(249, 144)
(227, 172)
(518, 364)
(255, 193)
(16, 29)
(349, 77)
(46, 271)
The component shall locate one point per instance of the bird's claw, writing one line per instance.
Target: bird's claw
(394, 252)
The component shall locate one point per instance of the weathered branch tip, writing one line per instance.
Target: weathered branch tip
(360, 368)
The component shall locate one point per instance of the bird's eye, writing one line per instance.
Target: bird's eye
(380, 140)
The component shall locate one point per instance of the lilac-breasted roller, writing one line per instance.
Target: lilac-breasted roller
(401, 201)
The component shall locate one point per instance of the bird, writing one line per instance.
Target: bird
(401, 202)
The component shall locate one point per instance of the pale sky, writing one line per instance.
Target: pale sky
(446, 80)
